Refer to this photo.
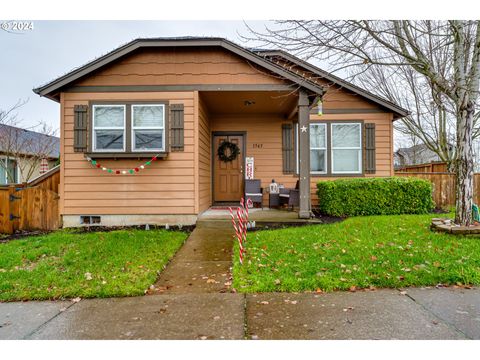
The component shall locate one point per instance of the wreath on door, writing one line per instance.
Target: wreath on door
(228, 151)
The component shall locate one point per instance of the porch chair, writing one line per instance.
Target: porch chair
(253, 191)
(290, 197)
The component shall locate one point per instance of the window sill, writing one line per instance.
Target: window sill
(317, 175)
(129, 155)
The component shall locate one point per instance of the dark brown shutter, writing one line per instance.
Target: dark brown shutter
(370, 148)
(176, 127)
(80, 127)
(287, 149)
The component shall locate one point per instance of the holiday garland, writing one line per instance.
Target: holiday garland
(234, 151)
(132, 171)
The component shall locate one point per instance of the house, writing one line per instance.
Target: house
(415, 155)
(25, 154)
(142, 125)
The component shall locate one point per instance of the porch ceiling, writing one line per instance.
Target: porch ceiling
(250, 102)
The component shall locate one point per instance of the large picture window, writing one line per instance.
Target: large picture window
(346, 148)
(109, 128)
(318, 148)
(148, 127)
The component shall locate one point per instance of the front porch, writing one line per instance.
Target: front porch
(262, 216)
(271, 130)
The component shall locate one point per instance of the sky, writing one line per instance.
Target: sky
(53, 48)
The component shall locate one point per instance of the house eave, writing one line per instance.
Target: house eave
(398, 112)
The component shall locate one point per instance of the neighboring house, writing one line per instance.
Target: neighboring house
(415, 155)
(142, 125)
(20, 151)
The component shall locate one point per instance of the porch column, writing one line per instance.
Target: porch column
(304, 154)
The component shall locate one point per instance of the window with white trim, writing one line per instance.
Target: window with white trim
(318, 148)
(148, 127)
(346, 148)
(108, 128)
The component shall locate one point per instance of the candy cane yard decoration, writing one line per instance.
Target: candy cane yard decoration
(240, 226)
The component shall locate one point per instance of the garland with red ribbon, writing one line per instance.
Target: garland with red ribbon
(131, 171)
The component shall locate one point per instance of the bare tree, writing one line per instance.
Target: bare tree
(20, 146)
(444, 53)
(432, 119)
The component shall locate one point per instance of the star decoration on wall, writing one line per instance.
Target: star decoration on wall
(303, 128)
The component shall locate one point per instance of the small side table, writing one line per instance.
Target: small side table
(273, 200)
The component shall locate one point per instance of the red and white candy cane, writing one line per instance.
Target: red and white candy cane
(237, 234)
(240, 225)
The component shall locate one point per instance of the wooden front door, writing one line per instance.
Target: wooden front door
(228, 176)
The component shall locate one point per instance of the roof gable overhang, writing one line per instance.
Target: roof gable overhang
(397, 111)
(52, 89)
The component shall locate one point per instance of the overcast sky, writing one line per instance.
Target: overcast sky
(53, 48)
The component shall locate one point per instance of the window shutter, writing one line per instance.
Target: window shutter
(176, 127)
(287, 149)
(370, 148)
(80, 126)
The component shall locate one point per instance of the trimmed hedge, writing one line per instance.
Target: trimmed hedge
(375, 196)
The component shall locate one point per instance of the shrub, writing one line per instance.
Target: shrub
(375, 196)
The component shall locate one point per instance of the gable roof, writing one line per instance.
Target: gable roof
(50, 89)
(398, 111)
(260, 57)
(34, 141)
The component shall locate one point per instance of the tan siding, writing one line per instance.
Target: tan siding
(180, 67)
(204, 157)
(166, 187)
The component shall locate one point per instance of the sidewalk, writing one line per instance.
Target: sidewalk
(382, 314)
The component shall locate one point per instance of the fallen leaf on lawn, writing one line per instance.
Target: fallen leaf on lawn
(436, 264)
(318, 291)
(88, 276)
(373, 258)
(277, 281)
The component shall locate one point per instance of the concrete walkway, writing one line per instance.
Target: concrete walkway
(192, 300)
(382, 314)
(203, 264)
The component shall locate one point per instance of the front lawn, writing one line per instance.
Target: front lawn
(360, 252)
(67, 264)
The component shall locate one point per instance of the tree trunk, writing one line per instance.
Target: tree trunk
(464, 166)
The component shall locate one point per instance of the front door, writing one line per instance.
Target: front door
(227, 176)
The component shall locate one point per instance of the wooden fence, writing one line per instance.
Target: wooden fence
(32, 206)
(444, 187)
(433, 167)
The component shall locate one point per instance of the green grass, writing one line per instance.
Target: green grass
(380, 251)
(53, 266)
